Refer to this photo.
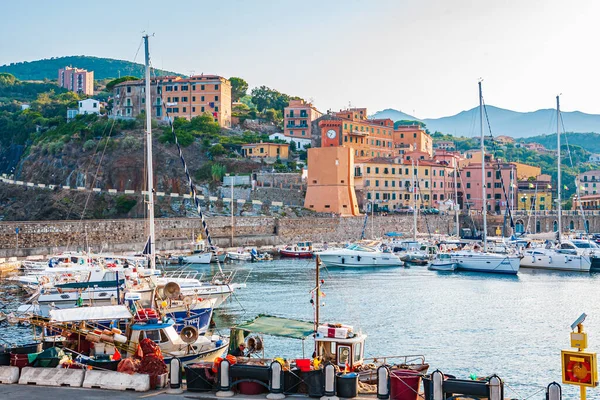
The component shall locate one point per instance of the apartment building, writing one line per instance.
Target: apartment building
(297, 119)
(177, 97)
(589, 183)
(77, 80)
(498, 178)
(413, 135)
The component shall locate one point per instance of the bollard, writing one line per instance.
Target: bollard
(175, 376)
(554, 391)
(276, 384)
(383, 382)
(437, 377)
(496, 388)
(329, 392)
(224, 380)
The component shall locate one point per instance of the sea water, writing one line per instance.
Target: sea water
(463, 323)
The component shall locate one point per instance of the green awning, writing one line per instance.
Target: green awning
(276, 326)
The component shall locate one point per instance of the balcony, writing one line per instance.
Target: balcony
(169, 104)
(358, 133)
(296, 126)
(296, 116)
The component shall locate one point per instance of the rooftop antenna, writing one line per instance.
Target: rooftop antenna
(192, 73)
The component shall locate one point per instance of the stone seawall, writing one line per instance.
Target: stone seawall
(175, 233)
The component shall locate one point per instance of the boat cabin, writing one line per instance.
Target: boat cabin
(342, 352)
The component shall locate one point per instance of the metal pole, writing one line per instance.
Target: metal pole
(558, 161)
(232, 217)
(372, 212)
(414, 187)
(483, 187)
(149, 156)
(456, 200)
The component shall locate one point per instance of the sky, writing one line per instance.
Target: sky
(423, 57)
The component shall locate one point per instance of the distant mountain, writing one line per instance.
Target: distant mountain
(103, 68)
(394, 115)
(504, 122)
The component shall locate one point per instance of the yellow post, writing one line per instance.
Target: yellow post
(582, 389)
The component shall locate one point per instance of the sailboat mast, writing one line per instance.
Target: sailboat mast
(149, 156)
(412, 164)
(483, 187)
(559, 200)
(456, 200)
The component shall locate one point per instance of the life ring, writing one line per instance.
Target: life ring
(576, 369)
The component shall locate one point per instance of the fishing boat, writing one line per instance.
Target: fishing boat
(298, 250)
(239, 255)
(356, 255)
(90, 323)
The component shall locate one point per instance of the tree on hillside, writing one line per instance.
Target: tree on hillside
(110, 85)
(239, 87)
(406, 122)
(264, 97)
(7, 79)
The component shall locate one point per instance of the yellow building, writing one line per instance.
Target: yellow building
(525, 171)
(330, 183)
(389, 183)
(535, 195)
(266, 150)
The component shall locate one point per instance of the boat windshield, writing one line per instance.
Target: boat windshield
(586, 245)
(356, 247)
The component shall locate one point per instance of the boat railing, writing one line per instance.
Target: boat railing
(395, 360)
(223, 278)
(184, 274)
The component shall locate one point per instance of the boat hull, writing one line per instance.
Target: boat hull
(363, 260)
(295, 254)
(487, 262)
(553, 261)
(200, 258)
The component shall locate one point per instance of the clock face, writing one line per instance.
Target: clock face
(331, 134)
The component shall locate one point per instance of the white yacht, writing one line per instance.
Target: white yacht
(477, 261)
(359, 256)
(565, 257)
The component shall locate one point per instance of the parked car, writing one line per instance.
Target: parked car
(433, 211)
(404, 210)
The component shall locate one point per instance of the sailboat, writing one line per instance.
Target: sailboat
(480, 261)
(559, 258)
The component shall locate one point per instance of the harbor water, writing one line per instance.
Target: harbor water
(464, 323)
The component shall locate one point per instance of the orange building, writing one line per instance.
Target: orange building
(266, 150)
(406, 136)
(298, 117)
(330, 184)
(182, 97)
(368, 138)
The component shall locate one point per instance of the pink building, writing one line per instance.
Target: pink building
(297, 119)
(76, 80)
(470, 186)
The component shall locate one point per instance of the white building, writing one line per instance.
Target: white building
(89, 106)
(301, 143)
(25, 107)
(595, 158)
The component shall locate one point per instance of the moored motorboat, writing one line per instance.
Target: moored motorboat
(360, 256)
(298, 250)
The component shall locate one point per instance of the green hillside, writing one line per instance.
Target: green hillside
(103, 68)
(589, 141)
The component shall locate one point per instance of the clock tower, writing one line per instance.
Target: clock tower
(331, 133)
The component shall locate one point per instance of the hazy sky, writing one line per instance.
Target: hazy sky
(423, 57)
